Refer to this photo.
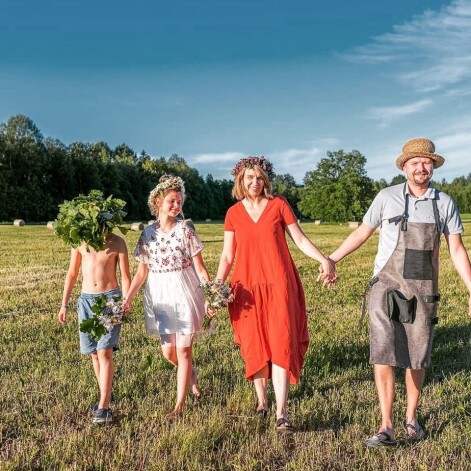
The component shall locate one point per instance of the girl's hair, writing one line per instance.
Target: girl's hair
(166, 183)
(158, 198)
(238, 190)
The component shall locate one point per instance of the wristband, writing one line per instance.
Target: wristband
(65, 305)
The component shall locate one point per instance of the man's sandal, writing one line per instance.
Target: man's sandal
(380, 439)
(282, 425)
(415, 433)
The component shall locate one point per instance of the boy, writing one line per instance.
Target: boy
(98, 278)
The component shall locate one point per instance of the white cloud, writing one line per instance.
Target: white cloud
(430, 52)
(217, 157)
(386, 114)
(295, 161)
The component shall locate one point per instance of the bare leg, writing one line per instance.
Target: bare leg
(194, 383)
(260, 381)
(105, 381)
(385, 381)
(414, 382)
(184, 372)
(170, 354)
(96, 367)
(280, 378)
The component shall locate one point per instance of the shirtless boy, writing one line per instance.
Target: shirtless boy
(98, 278)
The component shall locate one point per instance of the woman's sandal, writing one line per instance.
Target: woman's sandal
(415, 433)
(261, 412)
(282, 425)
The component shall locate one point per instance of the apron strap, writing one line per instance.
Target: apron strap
(436, 214)
(405, 215)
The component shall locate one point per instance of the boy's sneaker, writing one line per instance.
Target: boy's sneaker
(102, 416)
(93, 408)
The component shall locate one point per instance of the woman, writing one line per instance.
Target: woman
(268, 314)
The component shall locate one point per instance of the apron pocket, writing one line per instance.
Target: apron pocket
(401, 309)
(418, 265)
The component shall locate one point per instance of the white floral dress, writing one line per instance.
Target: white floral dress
(173, 299)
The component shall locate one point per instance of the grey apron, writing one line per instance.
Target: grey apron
(404, 295)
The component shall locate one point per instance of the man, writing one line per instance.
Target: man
(404, 290)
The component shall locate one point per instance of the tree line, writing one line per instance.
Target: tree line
(37, 174)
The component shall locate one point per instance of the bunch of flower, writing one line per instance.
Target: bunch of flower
(107, 312)
(89, 219)
(217, 294)
(250, 162)
(166, 182)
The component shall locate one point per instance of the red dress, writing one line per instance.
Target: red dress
(268, 314)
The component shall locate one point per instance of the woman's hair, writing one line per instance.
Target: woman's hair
(238, 190)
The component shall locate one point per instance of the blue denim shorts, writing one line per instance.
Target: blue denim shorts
(84, 308)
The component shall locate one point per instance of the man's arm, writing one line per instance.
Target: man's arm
(70, 280)
(460, 259)
(355, 240)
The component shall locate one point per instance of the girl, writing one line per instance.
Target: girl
(169, 255)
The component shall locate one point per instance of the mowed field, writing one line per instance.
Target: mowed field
(46, 386)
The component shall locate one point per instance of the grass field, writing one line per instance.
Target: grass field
(46, 386)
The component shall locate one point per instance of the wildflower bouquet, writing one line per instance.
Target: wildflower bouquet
(217, 294)
(89, 219)
(108, 312)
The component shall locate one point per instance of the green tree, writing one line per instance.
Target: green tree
(338, 189)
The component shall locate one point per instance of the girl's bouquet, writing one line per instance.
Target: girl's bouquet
(217, 294)
(108, 312)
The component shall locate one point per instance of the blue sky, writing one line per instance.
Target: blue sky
(217, 80)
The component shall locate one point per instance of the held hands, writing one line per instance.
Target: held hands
(327, 272)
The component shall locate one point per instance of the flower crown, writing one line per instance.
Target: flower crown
(166, 182)
(250, 162)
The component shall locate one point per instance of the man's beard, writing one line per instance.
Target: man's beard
(422, 179)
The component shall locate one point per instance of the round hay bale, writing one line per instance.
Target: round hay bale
(317, 222)
(353, 224)
(18, 222)
(50, 225)
(137, 226)
(208, 220)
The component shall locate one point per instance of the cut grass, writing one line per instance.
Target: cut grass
(46, 386)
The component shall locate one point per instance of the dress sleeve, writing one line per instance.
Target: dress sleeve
(228, 226)
(193, 242)
(141, 252)
(287, 213)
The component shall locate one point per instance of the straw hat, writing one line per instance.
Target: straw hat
(419, 147)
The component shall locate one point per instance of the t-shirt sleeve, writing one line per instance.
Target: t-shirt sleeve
(193, 242)
(374, 216)
(453, 224)
(141, 252)
(287, 213)
(228, 225)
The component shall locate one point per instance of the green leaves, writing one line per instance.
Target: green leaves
(89, 219)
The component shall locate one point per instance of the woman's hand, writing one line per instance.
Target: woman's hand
(327, 272)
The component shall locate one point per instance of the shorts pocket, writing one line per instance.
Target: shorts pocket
(401, 309)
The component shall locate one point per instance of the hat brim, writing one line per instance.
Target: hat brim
(438, 160)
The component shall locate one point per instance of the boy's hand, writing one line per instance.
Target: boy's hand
(62, 315)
